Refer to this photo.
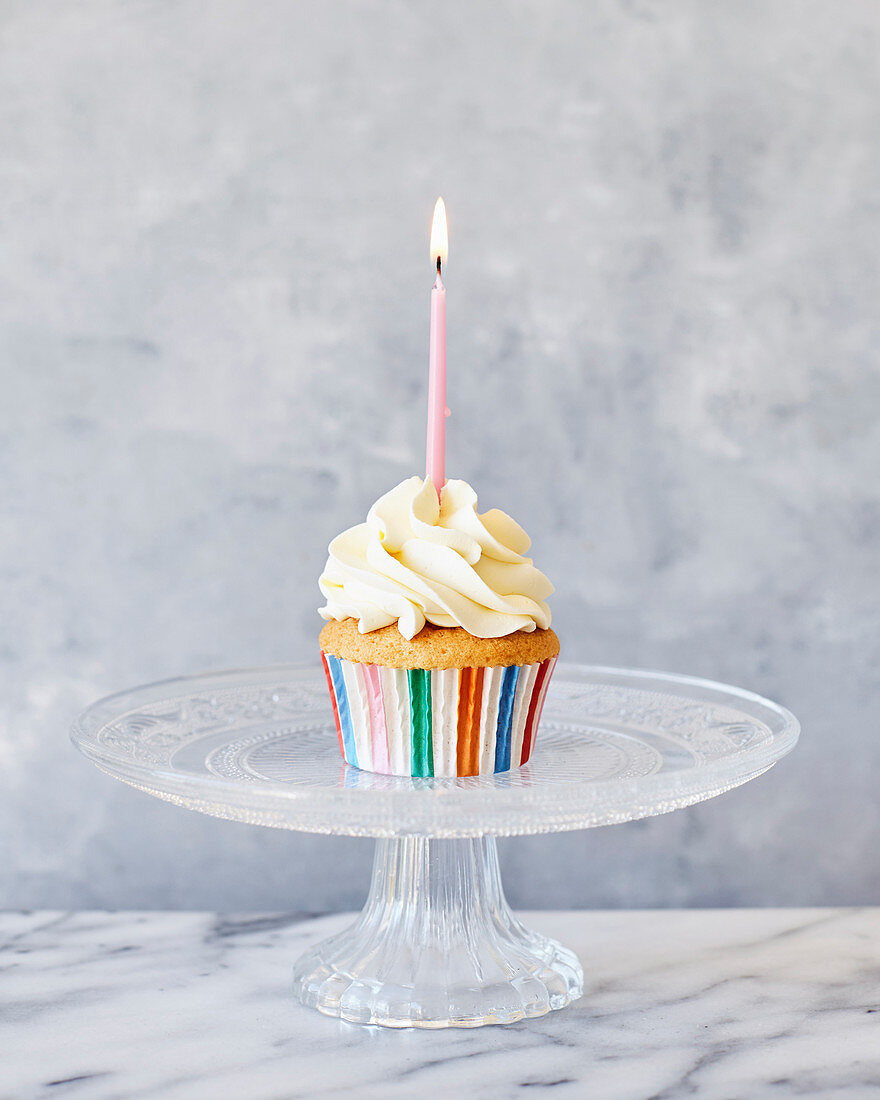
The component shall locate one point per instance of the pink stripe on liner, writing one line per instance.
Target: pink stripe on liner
(378, 730)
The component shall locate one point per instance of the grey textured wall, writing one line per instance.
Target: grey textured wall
(663, 295)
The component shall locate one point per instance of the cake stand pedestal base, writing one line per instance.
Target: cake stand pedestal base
(437, 946)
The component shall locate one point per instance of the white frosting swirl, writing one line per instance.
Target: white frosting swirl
(417, 559)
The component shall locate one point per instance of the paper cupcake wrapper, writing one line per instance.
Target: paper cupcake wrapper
(426, 722)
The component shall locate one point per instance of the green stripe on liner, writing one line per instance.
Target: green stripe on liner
(420, 714)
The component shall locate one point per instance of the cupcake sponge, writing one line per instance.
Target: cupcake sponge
(436, 647)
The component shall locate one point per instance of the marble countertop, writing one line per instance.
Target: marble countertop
(723, 1003)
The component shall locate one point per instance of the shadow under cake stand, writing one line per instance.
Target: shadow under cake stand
(436, 944)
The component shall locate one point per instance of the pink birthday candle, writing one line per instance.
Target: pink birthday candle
(437, 411)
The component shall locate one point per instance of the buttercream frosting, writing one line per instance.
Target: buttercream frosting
(417, 559)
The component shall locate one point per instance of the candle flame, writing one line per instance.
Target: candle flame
(439, 235)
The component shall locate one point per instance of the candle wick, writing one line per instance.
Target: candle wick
(438, 267)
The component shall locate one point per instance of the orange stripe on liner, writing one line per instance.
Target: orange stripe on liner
(470, 705)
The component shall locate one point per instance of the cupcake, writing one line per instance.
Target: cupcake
(438, 649)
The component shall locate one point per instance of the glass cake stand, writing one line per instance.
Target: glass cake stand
(436, 944)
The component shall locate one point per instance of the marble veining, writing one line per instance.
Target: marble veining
(185, 1006)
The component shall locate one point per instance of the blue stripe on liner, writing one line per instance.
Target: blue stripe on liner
(344, 713)
(505, 719)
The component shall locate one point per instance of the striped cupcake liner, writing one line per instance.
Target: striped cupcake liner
(427, 722)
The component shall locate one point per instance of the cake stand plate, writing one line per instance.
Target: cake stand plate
(436, 944)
